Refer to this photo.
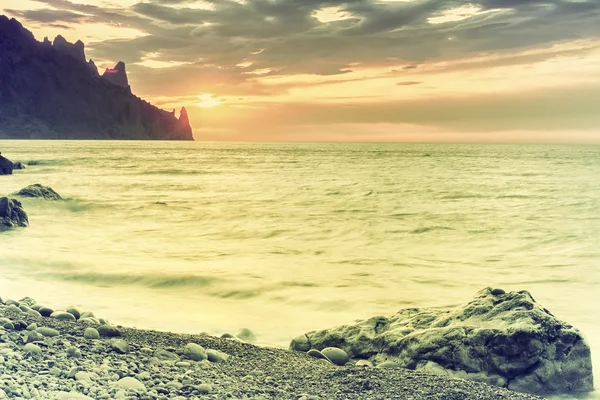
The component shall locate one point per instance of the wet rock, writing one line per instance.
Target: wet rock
(504, 339)
(74, 311)
(18, 165)
(335, 355)
(12, 214)
(246, 335)
(45, 311)
(6, 166)
(300, 343)
(39, 191)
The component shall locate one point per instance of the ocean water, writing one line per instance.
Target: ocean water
(283, 238)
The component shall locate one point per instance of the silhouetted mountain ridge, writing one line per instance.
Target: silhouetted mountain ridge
(49, 91)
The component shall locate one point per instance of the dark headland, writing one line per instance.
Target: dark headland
(49, 91)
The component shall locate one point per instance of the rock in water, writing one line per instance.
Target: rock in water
(37, 190)
(12, 214)
(6, 166)
(504, 339)
(18, 165)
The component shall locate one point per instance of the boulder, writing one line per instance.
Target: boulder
(12, 214)
(6, 166)
(503, 339)
(40, 191)
(18, 165)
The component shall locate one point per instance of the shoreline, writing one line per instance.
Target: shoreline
(156, 365)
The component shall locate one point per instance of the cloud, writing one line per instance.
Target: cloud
(257, 49)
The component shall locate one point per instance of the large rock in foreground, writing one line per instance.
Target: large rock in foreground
(12, 214)
(40, 191)
(503, 339)
(6, 166)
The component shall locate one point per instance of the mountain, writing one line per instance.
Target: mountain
(49, 91)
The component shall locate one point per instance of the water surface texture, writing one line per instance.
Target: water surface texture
(285, 238)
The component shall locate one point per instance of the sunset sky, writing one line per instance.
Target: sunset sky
(354, 70)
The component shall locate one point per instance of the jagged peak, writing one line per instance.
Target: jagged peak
(117, 75)
(183, 115)
(75, 50)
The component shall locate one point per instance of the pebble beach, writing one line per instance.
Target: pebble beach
(60, 357)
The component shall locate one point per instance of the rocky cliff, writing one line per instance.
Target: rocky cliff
(49, 91)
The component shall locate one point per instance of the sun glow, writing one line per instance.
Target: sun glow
(208, 101)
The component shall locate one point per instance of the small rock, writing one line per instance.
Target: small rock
(216, 356)
(204, 388)
(195, 352)
(246, 335)
(316, 354)
(300, 343)
(31, 348)
(45, 311)
(130, 383)
(48, 332)
(165, 355)
(74, 311)
(91, 333)
(73, 352)
(34, 336)
(119, 345)
(364, 363)
(108, 331)
(497, 292)
(336, 355)
(63, 316)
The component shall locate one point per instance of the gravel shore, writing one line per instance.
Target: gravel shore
(50, 358)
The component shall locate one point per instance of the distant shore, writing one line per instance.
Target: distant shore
(56, 358)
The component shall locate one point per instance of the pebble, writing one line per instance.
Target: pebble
(216, 356)
(31, 348)
(130, 383)
(119, 345)
(204, 388)
(364, 363)
(34, 336)
(48, 332)
(165, 355)
(63, 316)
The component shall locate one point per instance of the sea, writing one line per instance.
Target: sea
(285, 238)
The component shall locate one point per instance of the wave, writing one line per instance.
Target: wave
(175, 171)
(156, 281)
(426, 229)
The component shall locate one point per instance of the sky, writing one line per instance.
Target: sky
(353, 70)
